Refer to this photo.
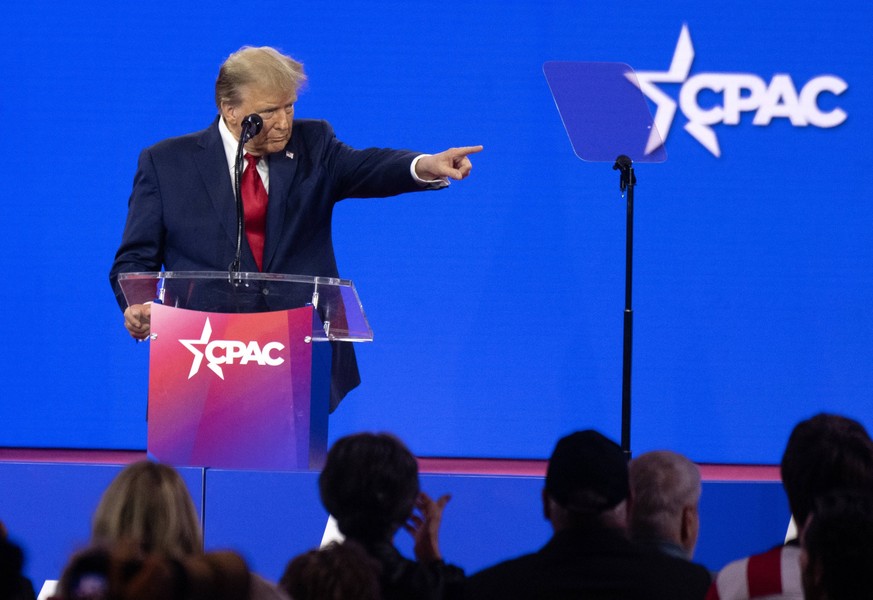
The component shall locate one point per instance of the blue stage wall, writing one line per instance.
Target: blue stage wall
(497, 304)
(47, 509)
(271, 517)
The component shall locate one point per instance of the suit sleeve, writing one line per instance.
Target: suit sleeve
(142, 243)
(368, 173)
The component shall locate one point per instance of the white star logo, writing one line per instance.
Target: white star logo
(680, 67)
(198, 355)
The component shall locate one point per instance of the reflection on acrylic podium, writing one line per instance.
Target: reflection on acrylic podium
(239, 367)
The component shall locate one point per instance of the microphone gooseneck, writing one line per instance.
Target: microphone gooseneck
(251, 126)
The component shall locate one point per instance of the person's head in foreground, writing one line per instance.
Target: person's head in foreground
(369, 484)
(149, 505)
(338, 570)
(586, 482)
(837, 547)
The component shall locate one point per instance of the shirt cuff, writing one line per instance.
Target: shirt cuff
(431, 183)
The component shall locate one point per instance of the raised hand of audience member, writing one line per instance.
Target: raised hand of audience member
(424, 526)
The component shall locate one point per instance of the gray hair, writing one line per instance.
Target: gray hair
(265, 67)
(662, 484)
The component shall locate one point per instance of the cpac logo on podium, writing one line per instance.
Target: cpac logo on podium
(740, 92)
(226, 352)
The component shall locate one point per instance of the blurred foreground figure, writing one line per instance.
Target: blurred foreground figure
(339, 570)
(148, 504)
(147, 507)
(824, 453)
(13, 584)
(123, 573)
(837, 548)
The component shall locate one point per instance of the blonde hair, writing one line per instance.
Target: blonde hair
(265, 67)
(149, 505)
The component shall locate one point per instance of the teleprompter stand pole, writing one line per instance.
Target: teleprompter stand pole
(606, 114)
(627, 182)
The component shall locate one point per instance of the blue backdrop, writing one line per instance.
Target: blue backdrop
(497, 305)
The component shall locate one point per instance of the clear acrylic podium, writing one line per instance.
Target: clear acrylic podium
(237, 376)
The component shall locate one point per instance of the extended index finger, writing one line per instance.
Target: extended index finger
(465, 150)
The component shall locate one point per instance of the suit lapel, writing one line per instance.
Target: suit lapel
(212, 164)
(283, 166)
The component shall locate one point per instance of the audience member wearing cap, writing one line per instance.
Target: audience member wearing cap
(824, 453)
(589, 556)
(664, 514)
(370, 485)
(837, 547)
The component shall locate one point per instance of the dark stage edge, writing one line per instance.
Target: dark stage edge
(449, 466)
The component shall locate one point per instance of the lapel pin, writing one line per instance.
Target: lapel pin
(289, 154)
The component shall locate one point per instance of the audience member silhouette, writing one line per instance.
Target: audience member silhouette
(148, 506)
(619, 532)
(824, 453)
(125, 573)
(13, 584)
(589, 556)
(665, 491)
(370, 485)
(837, 548)
(337, 571)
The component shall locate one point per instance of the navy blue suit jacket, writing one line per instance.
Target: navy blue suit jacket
(182, 214)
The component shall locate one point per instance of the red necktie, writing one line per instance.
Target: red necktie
(254, 197)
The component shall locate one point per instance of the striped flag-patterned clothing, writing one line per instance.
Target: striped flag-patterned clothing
(771, 575)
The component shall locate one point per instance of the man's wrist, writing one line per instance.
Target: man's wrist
(433, 183)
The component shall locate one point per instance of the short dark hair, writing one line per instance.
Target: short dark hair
(839, 545)
(369, 484)
(825, 453)
(336, 571)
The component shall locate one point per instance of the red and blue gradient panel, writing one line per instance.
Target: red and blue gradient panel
(233, 390)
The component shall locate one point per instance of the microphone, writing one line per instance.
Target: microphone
(251, 126)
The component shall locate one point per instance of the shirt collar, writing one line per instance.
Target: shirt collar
(230, 143)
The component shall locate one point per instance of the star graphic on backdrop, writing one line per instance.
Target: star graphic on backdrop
(198, 355)
(678, 72)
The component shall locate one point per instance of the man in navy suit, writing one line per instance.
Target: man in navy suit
(182, 212)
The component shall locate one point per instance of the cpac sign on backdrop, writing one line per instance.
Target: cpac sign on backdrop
(738, 93)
